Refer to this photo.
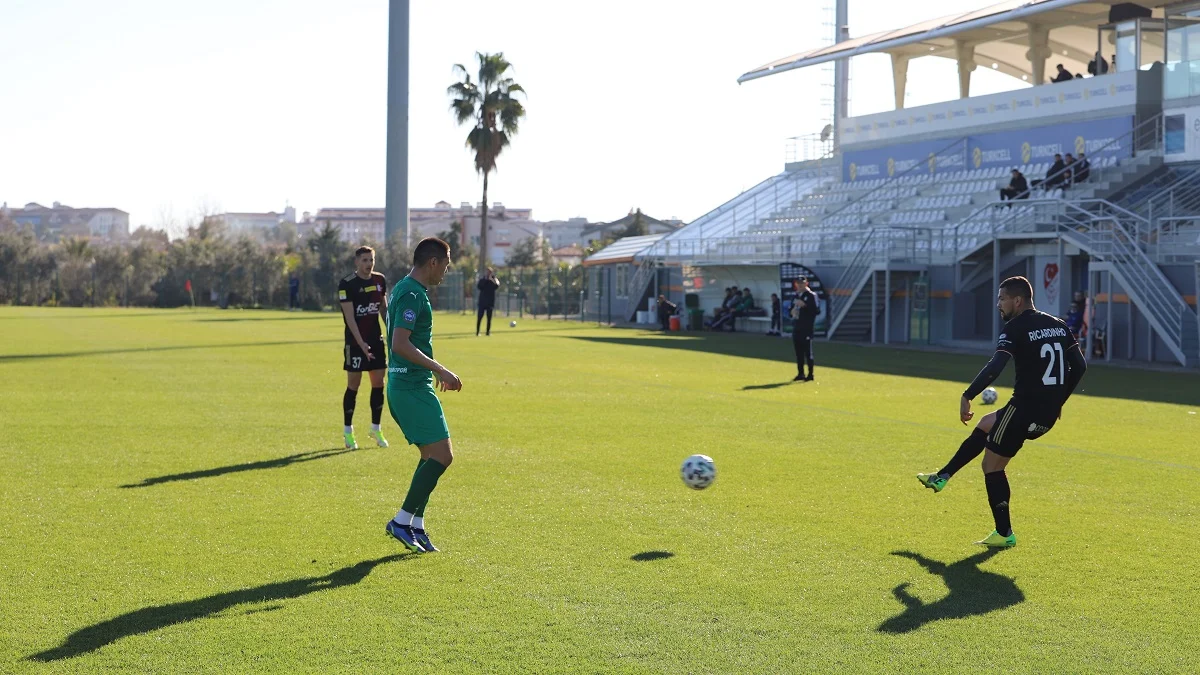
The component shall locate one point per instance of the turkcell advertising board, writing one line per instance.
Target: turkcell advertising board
(1098, 138)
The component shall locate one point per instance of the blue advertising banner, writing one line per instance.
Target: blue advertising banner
(945, 154)
(1040, 144)
(985, 151)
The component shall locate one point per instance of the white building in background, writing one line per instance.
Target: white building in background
(57, 222)
(564, 233)
(507, 226)
(256, 223)
(357, 225)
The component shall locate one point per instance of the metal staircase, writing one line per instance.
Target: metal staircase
(639, 288)
(1109, 234)
(858, 297)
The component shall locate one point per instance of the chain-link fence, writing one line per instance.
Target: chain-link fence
(552, 293)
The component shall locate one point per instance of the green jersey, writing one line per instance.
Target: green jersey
(408, 307)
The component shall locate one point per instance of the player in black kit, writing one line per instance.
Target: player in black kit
(1049, 367)
(363, 297)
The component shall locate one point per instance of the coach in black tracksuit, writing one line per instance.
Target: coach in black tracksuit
(487, 300)
(804, 314)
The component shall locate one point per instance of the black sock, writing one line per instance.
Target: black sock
(376, 405)
(968, 451)
(998, 494)
(348, 405)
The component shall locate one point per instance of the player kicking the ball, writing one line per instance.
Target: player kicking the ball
(1049, 367)
(363, 297)
(410, 394)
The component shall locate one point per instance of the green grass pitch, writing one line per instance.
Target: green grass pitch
(175, 499)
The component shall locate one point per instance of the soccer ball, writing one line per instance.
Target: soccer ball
(512, 324)
(990, 396)
(698, 472)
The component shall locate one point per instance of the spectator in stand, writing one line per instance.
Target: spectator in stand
(776, 316)
(1018, 188)
(1098, 66)
(1064, 75)
(1069, 174)
(1054, 175)
(1074, 320)
(1083, 169)
(666, 309)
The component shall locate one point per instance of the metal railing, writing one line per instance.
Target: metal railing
(1145, 137)
(748, 208)
(877, 193)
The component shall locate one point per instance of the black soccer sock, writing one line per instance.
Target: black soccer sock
(376, 405)
(968, 451)
(348, 405)
(998, 495)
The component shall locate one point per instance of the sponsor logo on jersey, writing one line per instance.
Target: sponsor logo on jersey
(369, 308)
(341, 294)
(410, 315)
(398, 370)
(1046, 333)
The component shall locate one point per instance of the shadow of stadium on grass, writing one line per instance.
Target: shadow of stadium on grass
(165, 348)
(1122, 383)
(276, 463)
(972, 592)
(149, 619)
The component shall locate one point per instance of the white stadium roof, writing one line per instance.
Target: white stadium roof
(999, 33)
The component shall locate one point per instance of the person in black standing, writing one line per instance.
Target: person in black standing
(1049, 366)
(776, 316)
(666, 309)
(487, 299)
(804, 316)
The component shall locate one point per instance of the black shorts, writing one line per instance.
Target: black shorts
(355, 361)
(1017, 422)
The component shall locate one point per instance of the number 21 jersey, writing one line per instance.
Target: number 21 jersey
(1038, 342)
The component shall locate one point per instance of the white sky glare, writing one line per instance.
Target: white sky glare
(153, 106)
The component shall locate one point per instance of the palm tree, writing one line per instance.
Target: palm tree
(489, 104)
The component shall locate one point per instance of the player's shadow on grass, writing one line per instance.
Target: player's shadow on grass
(773, 385)
(1180, 388)
(972, 592)
(150, 619)
(277, 463)
(165, 348)
(647, 556)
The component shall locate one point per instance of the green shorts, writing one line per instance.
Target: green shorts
(419, 414)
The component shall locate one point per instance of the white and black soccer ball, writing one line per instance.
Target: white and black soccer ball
(512, 324)
(990, 396)
(698, 472)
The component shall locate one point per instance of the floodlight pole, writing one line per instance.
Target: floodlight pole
(396, 189)
(841, 71)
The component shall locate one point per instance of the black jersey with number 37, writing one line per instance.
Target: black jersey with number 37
(1038, 342)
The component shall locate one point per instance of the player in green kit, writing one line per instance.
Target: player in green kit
(410, 394)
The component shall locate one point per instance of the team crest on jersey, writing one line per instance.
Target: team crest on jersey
(410, 316)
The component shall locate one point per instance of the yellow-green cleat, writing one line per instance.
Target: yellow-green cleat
(932, 481)
(378, 436)
(351, 444)
(997, 540)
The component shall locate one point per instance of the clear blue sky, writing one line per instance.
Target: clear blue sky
(160, 108)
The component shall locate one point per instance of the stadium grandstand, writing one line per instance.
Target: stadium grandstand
(903, 220)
